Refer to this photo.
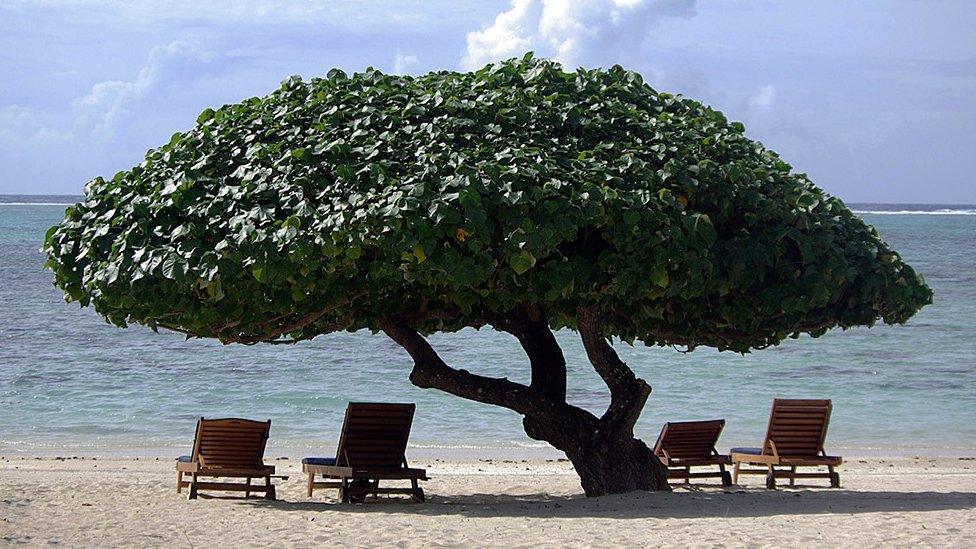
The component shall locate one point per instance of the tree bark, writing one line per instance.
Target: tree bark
(628, 393)
(606, 456)
(528, 323)
(618, 466)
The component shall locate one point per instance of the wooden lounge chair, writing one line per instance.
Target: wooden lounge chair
(794, 438)
(227, 448)
(371, 448)
(686, 444)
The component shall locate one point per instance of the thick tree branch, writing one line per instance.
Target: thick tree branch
(430, 371)
(545, 419)
(615, 373)
(529, 324)
(628, 393)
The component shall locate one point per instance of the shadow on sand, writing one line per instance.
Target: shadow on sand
(681, 504)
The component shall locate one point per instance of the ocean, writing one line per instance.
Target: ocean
(71, 384)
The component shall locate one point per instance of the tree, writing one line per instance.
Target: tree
(519, 197)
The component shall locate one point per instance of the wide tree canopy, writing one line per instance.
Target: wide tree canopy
(518, 196)
(452, 196)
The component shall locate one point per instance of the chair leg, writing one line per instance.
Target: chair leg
(311, 483)
(735, 473)
(418, 492)
(247, 493)
(344, 491)
(793, 476)
(192, 493)
(179, 482)
(771, 478)
(726, 478)
(834, 477)
(269, 492)
(687, 475)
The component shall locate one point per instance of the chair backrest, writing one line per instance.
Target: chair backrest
(797, 426)
(689, 439)
(231, 442)
(374, 435)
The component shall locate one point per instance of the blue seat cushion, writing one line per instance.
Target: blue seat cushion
(318, 461)
(185, 459)
(754, 451)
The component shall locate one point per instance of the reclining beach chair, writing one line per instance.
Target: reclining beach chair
(371, 448)
(227, 448)
(794, 438)
(686, 444)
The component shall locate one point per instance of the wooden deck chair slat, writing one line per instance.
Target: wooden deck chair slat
(686, 444)
(229, 447)
(372, 447)
(795, 436)
(785, 412)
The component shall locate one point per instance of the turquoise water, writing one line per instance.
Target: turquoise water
(71, 383)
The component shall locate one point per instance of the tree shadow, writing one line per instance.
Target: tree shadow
(684, 504)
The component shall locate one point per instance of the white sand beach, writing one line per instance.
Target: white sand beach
(106, 502)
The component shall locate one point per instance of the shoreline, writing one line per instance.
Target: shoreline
(458, 452)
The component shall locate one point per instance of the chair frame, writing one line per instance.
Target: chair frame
(198, 467)
(680, 467)
(355, 482)
(770, 458)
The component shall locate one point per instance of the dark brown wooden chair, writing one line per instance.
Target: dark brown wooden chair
(794, 438)
(227, 448)
(372, 447)
(686, 444)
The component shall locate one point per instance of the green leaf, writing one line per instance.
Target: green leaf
(215, 290)
(807, 200)
(49, 234)
(206, 115)
(173, 268)
(522, 261)
(419, 253)
(659, 276)
(702, 226)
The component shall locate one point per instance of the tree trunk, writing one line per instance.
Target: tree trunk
(607, 457)
(618, 466)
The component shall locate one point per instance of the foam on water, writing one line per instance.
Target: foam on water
(918, 212)
(37, 203)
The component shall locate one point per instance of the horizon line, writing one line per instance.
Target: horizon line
(845, 201)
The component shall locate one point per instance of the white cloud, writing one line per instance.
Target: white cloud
(771, 115)
(224, 10)
(575, 32)
(404, 63)
(21, 126)
(510, 35)
(763, 100)
(761, 111)
(109, 102)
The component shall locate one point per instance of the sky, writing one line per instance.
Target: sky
(875, 100)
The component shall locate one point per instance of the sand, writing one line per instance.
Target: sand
(927, 502)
